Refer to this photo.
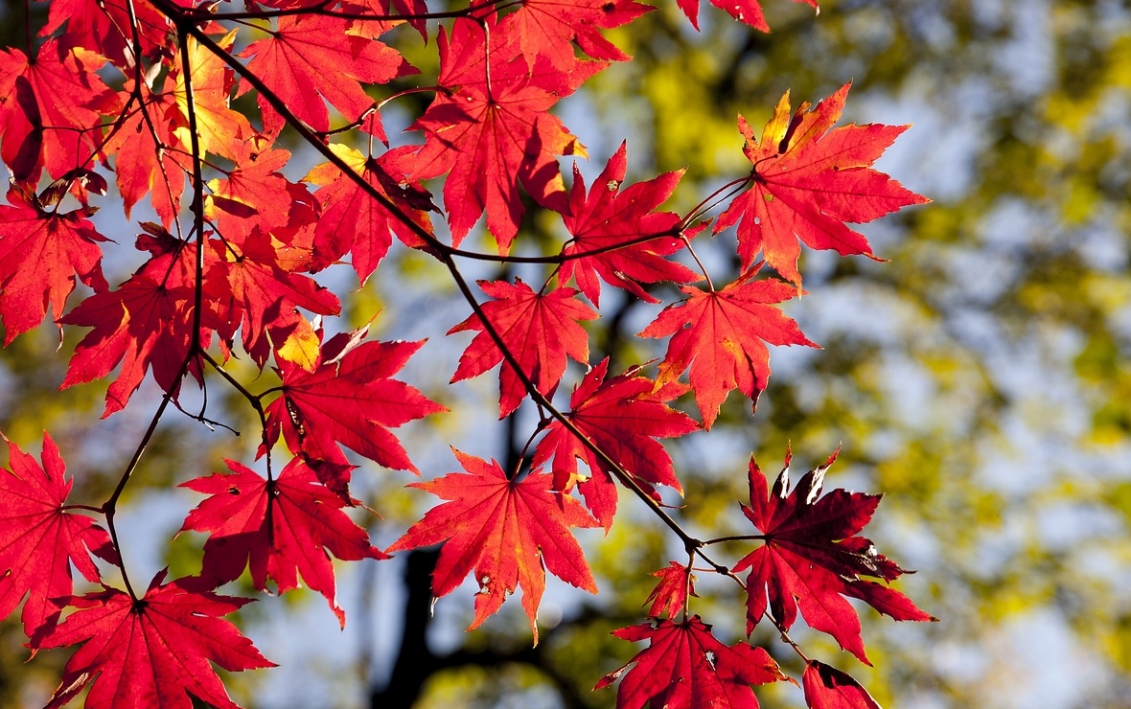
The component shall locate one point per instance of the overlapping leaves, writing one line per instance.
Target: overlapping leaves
(229, 272)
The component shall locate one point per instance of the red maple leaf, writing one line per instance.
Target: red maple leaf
(609, 218)
(540, 330)
(507, 531)
(40, 253)
(281, 527)
(670, 595)
(311, 57)
(145, 324)
(50, 108)
(98, 25)
(812, 557)
(809, 179)
(352, 221)
(39, 539)
(255, 195)
(262, 297)
(490, 138)
(219, 126)
(686, 667)
(153, 651)
(747, 11)
(829, 688)
(147, 152)
(622, 417)
(721, 336)
(348, 398)
(549, 27)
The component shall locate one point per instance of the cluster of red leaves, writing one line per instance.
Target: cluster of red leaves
(241, 282)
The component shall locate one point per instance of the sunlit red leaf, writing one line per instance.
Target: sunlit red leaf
(146, 324)
(351, 399)
(540, 330)
(811, 558)
(41, 252)
(309, 58)
(670, 595)
(685, 667)
(39, 540)
(608, 217)
(490, 139)
(506, 531)
(809, 179)
(721, 337)
(50, 109)
(623, 416)
(152, 652)
(280, 528)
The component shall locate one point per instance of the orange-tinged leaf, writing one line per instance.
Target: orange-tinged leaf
(146, 150)
(508, 532)
(721, 337)
(212, 81)
(811, 558)
(808, 180)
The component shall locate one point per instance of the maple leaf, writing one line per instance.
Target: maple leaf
(98, 25)
(508, 531)
(490, 138)
(281, 528)
(540, 330)
(353, 221)
(308, 58)
(255, 195)
(670, 594)
(50, 108)
(747, 11)
(809, 179)
(40, 254)
(347, 398)
(146, 150)
(811, 556)
(39, 539)
(219, 127)
(609, 218)
(622, 417)
(686, 667)
(146, 324)
(829, 688)
(721, 336)
(153, 651)
(548, 27)
(263, 297)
